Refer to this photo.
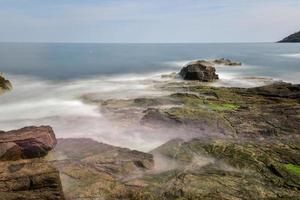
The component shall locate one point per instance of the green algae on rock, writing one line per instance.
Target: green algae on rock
(293, 168)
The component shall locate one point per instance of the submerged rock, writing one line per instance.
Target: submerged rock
(199, 70)
(29, 142)
(226, 62)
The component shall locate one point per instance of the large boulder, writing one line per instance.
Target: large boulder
(199, 70)
(29, 142)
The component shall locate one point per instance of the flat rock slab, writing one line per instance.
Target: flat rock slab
(27, 179)
(93, 170)
(25, 143)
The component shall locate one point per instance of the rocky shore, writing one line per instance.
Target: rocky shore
(245, 145)
(4, 84)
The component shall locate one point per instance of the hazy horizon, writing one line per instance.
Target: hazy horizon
(133, 21)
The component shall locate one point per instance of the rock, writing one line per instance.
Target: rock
(29, 142)
(4, 84)
(227, 169)
(29, 180)
(92, 170)
(255, 112)
(199, 70)
(199, 122)
(292, 38)
(226, 62)
(22, 177)
(278, 89)
(249, 149)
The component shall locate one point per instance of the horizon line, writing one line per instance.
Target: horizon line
(82, 42)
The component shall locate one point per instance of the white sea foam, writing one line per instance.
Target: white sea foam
(177, 64)
(291, 55)
(34, 101)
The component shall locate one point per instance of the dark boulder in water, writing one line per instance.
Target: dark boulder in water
(199, 70)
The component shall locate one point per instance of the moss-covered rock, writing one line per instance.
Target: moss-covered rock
(227, 169)
(246, 144)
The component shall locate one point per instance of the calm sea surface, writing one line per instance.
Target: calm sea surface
(72, 61)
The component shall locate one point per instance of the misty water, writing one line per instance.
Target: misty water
(50, 80)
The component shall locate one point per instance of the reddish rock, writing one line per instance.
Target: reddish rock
(29, 142)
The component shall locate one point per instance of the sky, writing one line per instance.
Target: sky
(148, 21)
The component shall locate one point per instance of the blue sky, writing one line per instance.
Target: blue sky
(148, 20)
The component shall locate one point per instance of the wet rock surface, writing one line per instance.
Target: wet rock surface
(246, 144)
(228, 169)
(92, 170)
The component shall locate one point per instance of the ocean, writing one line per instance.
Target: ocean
(50, 80)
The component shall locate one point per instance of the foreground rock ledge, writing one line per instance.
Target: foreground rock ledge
(27, 180)
(24, 178)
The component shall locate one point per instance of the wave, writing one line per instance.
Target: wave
(291, 55)
(177, 64)
(35, 102)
